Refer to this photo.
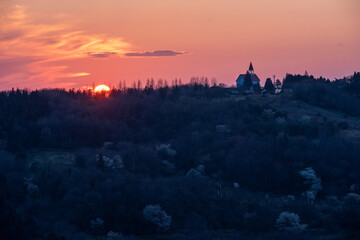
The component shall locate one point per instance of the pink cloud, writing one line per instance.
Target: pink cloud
(35, 50)
(158, 53)
(38, 55)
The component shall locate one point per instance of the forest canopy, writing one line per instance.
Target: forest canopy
(193, 161)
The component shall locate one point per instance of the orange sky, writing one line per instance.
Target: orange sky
(51, 43)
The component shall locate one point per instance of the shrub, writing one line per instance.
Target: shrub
(311, 178)
(288, 221)
(157, 216)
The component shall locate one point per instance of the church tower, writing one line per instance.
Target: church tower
(251, 68)
(254, 78)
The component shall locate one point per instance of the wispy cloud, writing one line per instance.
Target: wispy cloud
(159, 53)
(40, 55)
(79, 74)
(35, 50)
(101, 55)
(20, 36)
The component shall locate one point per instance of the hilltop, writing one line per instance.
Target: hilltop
(182, 162)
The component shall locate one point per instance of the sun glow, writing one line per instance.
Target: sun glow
(102, 88)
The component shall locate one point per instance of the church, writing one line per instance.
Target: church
(254, 78)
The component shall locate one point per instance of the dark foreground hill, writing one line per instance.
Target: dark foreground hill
(187, 162)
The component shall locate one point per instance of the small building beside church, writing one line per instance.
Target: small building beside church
(254, 78)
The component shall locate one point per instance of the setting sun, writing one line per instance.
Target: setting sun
(101, 88)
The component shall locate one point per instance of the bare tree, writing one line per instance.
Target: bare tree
(213, 82)
(160, 83)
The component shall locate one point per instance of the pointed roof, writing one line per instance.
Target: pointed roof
(254, 78)
(251, 68)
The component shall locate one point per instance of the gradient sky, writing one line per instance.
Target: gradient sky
(71, 44)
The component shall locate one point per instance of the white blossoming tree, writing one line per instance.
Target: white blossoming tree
(352, 197)
(198, 171)
(315, 183)
(114, 236)
(288, 221)
(157, 216)
(98, 222)
(166, 148)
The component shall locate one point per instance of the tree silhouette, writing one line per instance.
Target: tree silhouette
(101, 162)
(247, 81)
(269, 86)
(277, 84)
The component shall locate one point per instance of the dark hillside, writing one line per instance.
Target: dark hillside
(182, 162)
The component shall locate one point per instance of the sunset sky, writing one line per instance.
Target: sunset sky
(71, 44)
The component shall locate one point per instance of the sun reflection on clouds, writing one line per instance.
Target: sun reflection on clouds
(36, 55)
(42, 46)
(20, 36)
(79, 74)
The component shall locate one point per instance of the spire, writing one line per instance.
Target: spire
(251, 68)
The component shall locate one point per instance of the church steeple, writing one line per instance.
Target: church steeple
(251, 68)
